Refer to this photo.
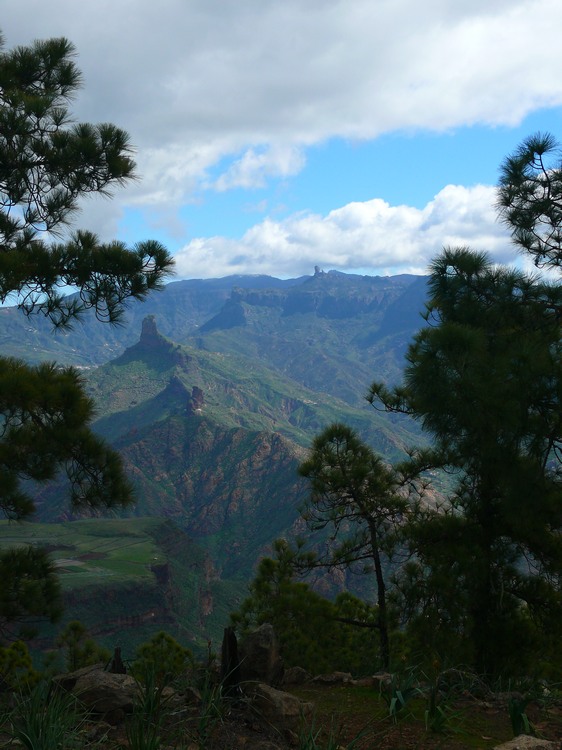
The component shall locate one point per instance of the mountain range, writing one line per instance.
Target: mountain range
(212, 393)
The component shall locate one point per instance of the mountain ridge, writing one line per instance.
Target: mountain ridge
(214, 405)
(181, 309)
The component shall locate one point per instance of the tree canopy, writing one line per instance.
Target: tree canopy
(314, 633)
(361, 500)
(485, 380)
(48, 164)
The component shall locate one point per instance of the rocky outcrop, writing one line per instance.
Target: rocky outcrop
(101, 693)
(280, 709)
(267, 719)
(196, 402)
(149, 333)
(260, 659)
(153, 343)
(296, 676)
(334, 678)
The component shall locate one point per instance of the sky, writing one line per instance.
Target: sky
(273, 136)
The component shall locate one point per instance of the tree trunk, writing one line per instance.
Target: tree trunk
(381, 597)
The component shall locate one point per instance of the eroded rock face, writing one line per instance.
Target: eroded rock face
(260, 659)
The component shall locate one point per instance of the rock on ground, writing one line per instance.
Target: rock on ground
(525, 742)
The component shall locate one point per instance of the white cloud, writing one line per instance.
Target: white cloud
(373, 236)
(197, 81)
(220, 95)
(253, 168)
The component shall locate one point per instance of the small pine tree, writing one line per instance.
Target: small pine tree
(80, 649)
(163, 657)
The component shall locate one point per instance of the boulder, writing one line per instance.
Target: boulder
(102, 692)
(525, 742)
(296, 676)
(280, 709)
(260, 660)
(68, 680)
(334, 678)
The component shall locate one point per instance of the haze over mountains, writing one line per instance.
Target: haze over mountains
(213, 390)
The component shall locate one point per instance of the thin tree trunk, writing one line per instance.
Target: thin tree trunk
(381, 598)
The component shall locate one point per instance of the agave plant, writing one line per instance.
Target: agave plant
(45, 718)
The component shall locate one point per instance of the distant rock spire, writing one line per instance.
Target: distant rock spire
(152, 343)
(149, 334)
(197, 400)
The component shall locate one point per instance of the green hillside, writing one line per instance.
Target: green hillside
(127, 578)
(155, 378)
(212, 394)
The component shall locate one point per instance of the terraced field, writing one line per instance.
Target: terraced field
(93, 550)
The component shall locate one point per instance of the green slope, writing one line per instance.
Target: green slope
(155, 378)
(127, 578)
(212, 427)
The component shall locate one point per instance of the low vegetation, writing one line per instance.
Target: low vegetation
(180, 703)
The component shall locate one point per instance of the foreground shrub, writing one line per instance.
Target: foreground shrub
(16, 667)
(163, 657)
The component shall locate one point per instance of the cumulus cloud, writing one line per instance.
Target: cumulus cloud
(207, 79)
(220, 96)
(253, 168)
(370, 236)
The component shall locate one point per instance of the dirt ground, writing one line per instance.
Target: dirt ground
(359, 716)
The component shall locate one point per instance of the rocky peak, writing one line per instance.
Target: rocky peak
(197, 400)
(152, 342)
(149, 333)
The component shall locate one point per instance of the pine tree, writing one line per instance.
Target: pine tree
(361, 500)
(48, 163)
(485, 380)
(314, 633)
(530, 198)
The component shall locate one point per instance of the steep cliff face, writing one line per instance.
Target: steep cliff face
(234, 489)
(128, 578)
(325, 295)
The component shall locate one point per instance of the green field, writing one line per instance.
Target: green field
(92, 551)
(126, 579)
